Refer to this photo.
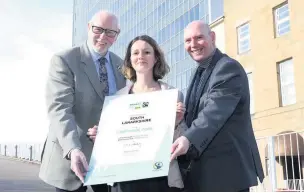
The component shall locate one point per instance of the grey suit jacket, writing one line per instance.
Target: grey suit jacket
(174, 176)
(228, 158)
(74, 101)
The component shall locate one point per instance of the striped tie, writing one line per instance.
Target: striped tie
(103, 75)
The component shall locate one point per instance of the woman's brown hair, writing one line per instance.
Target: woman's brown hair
(160, 68)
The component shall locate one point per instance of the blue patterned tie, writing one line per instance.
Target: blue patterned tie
(103, 75)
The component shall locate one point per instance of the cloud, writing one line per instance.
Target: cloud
(53, 30)
(61, 35)
(27, 45)
(22, 104)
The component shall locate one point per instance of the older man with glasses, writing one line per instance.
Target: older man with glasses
(78, 81)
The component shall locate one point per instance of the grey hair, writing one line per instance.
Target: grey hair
(93, 18)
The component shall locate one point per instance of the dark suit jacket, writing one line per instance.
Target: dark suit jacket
(228, 158)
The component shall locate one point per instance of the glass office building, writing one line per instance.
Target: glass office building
(164, 20)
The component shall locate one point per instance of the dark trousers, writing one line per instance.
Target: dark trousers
(158, 184)
(96, 188)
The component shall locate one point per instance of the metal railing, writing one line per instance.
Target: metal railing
(266, 185)
(295, 184)
(31, 152)
(282, 157)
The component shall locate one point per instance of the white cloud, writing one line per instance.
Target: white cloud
(23, 105)
(61, 35)
(25, 52)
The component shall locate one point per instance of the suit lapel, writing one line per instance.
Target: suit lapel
(206, 74)
(189, 89)
(116, 66)
(90, 69)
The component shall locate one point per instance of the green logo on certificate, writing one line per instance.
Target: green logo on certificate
(139, 105)
(158, 165)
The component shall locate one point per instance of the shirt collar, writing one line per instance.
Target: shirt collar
(95, 55)
(205, 63)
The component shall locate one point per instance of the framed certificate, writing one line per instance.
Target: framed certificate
(134, 139)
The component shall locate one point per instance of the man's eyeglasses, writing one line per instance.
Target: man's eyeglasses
(100, 30)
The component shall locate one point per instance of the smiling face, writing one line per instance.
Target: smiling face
(199, 40)
(142, 57)
(100, 39)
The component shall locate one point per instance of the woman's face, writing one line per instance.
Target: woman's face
(142, 57)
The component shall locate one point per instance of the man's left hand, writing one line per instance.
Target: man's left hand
(180, 111)
(179, 147)
(92, 132)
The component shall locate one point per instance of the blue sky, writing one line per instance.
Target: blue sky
(31, 32)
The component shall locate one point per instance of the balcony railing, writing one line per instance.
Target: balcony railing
(31, 152)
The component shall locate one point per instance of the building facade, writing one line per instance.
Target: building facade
(266, 37)
(164, 20)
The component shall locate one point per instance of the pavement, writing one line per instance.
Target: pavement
(21, 176)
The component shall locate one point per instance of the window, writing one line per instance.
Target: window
(186, 19)
(209, 10)
(287, 84)
(192, 14)
(182, 23)
(282, 22)
(243, 33)
(173, 56)
(250, 82)
(177, 26)
(217, 9)
(184, 80)
(196, 12)
(179, 81)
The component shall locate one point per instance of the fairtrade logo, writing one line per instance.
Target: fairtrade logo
(139, 105)
(158, 165)
(145, 104)
(135, 106)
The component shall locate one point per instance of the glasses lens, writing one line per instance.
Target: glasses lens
(110, 33)
(97, 30)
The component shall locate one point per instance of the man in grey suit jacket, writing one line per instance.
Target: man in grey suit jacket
(218, 147)
(79, 79)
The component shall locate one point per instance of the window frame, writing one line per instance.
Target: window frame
(242, 39)
(282, 85)
(278, 22)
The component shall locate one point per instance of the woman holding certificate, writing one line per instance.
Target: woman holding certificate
(144, 66)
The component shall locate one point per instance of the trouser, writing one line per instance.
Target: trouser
(96, 188)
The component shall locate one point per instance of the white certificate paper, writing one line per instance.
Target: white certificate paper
(135, 135)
